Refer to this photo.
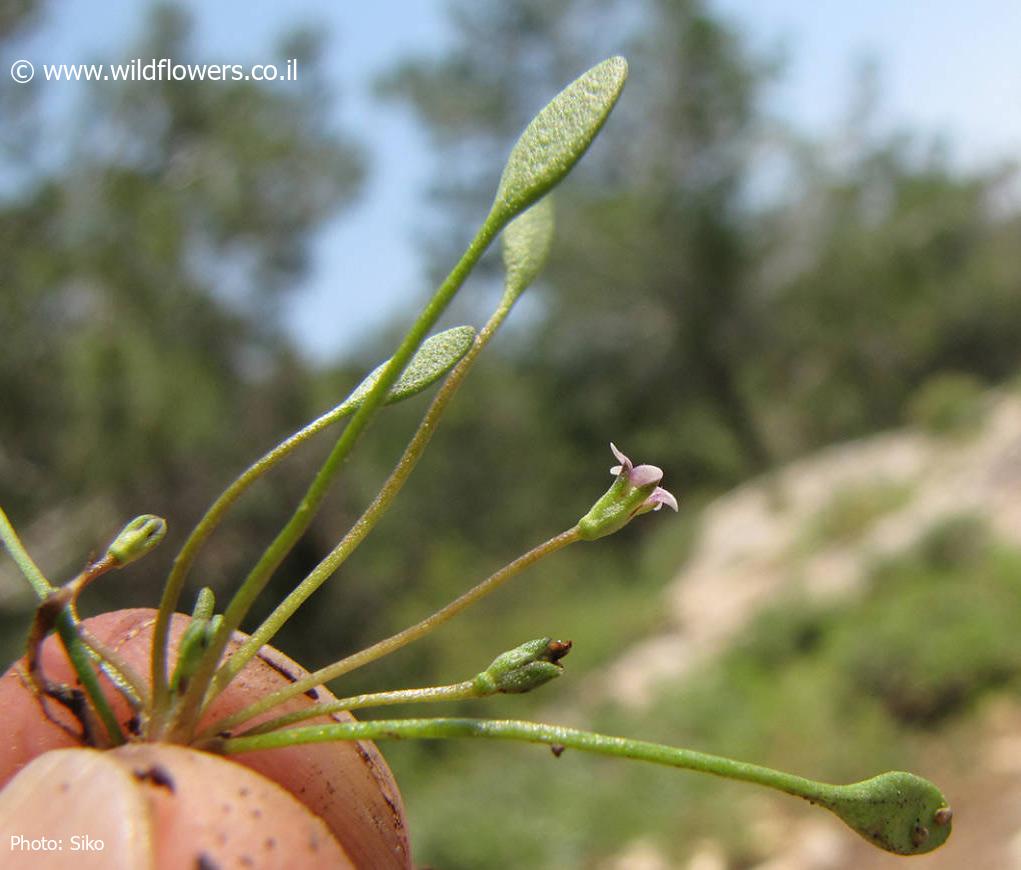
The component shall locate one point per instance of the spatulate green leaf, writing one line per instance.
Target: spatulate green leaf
(437, 356)
(558, 136)
(526, 244)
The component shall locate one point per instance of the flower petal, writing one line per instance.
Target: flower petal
(660, 497)
(643, 475)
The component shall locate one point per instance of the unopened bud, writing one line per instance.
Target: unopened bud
(195, 641)
(136, 539)
(205, 602)
(523, 668)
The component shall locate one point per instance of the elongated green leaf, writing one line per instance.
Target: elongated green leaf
(526, 244)
(557, 137)
(437, 356)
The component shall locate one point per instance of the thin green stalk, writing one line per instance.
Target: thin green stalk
(66, 629)
(896, 811)
(82, 664)
(436, 356)
(40, 585)
(530, 732)
(205, 527)
(432, 694)
(117, 670)
(367, 521)
(190, 707)
(402, 638)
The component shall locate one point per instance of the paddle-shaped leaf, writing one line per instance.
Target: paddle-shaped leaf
(437, 356)
(526, 245)
(557, 137)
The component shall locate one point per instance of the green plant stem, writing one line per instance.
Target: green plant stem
(117, 670)
(191, 705)
(205, 527)
(40, 585)
(367, 521)
(402, 638)
(82, 663)
(895, 811)
(67, 630)
(432, 694)
(535, 732)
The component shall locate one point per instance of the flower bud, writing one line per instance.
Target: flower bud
(523, 668)
(136, 539)
(195, 641)
(205, 602)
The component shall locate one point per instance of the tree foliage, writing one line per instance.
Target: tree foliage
(719, 328)
(150, 237)
(144, 268)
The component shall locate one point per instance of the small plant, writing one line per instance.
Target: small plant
(850, 512)
(948, 404)
(186, 707)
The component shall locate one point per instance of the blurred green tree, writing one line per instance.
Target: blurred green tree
(645, 324)
(897, 267)
(147, 246)
(724, 292)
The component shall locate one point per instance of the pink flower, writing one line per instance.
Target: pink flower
(643, 475)
(635, 490)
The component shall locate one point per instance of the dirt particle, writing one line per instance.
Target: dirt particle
(204, 862)
(156, 775)
(279, 668)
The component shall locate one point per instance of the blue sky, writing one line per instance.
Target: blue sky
(946, 68)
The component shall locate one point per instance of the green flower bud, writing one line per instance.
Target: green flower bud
(194, 642)
(523, 668)
(136, 539)
(204, 604)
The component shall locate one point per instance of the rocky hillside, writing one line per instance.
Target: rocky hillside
(817, 526)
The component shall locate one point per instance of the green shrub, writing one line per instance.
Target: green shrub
(851, 511)
(951, 403)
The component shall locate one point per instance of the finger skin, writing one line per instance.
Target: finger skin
(347, 784)
(158, 807)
